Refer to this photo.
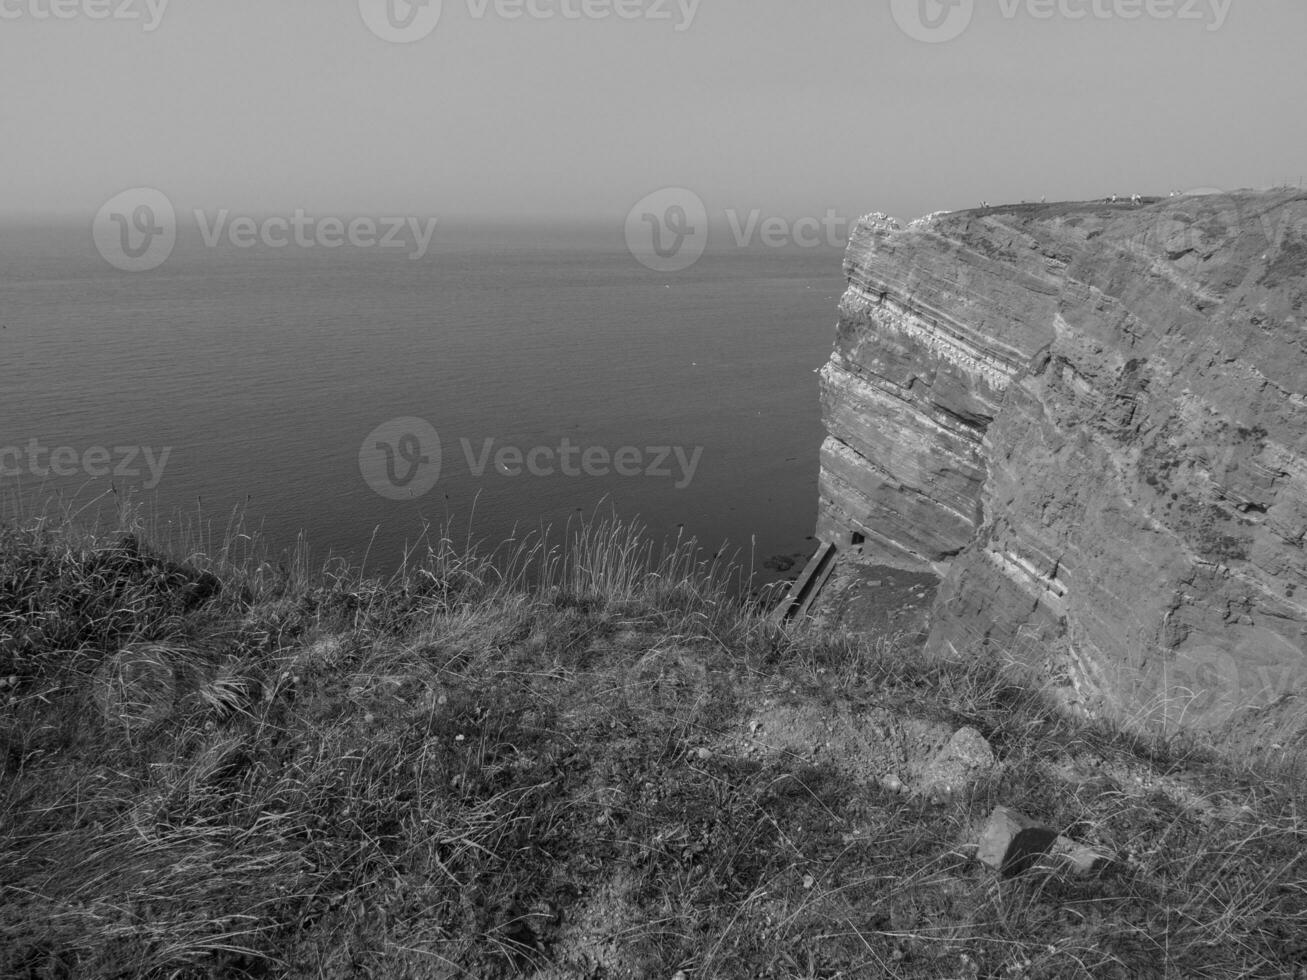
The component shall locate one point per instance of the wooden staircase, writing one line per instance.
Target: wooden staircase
(797, 603)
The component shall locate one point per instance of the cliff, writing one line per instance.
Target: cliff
(1089, 422)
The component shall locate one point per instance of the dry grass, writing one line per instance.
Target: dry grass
(521, 764)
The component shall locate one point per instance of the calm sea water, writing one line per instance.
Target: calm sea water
(262, 373)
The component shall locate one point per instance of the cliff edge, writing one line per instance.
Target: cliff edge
(1089, 422)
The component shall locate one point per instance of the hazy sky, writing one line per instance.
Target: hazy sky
(791, 107)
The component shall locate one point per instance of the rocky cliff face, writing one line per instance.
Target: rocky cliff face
(1090, 421)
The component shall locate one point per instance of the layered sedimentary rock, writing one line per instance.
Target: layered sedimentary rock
(1090, 420)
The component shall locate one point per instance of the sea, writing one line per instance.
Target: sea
(514, 377)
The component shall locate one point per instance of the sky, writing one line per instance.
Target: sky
(516, 109)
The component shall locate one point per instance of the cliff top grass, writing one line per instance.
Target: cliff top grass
(583, 760)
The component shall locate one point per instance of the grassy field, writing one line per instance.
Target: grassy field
(573, 761)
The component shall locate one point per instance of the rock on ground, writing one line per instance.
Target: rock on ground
(965, 758)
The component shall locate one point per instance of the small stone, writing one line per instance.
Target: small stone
(891, 783)
(1012, 843)
(1083, 858)
(808, 881)
(704, 754)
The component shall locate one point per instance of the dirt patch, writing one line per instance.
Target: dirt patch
(877, 600)
(873, 744)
